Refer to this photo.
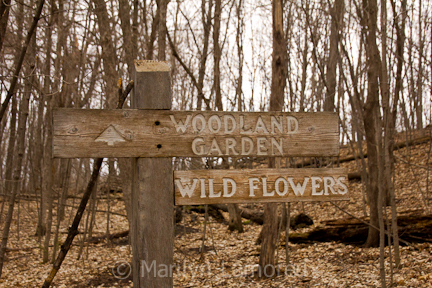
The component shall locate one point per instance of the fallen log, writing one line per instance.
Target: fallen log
(212, 211)
(253, 215)
(412, 228)
(98, 239)
(354, 176)
(298, 221)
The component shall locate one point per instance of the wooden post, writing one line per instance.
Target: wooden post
(152, 188)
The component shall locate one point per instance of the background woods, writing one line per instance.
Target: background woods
(367, 60)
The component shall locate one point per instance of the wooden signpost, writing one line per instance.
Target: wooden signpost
(154, 134)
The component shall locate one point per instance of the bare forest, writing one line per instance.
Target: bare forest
(65, 222)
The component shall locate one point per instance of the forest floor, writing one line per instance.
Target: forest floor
(230, 257)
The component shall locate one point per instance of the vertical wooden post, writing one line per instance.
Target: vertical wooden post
(152, 187)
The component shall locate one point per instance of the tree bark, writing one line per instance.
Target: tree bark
(128, 37)
(217, 55)
(109, 57)
(162, 29)
(4, 17)
(371, 115)
(206, 22)
(279, 73)
(391, 123)
(45, 101)
(336, 12)
(8, 182)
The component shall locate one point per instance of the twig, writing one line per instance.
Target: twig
(287, 228)
(204, 232)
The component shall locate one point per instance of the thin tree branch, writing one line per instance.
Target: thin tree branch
(21, 59)
(188, 71)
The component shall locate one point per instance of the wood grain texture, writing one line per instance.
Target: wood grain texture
(330, 184)
(152, 190)
(162, 133)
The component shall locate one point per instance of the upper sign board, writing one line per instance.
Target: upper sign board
(165, 133)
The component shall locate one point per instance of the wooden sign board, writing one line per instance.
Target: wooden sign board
(196, 187)
(165, 133)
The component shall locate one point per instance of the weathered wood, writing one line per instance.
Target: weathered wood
(152, 189)
(162, 133)
(260, 185)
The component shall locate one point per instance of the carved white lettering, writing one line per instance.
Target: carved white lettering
(329, 182)
(285, 186)
(227, 119)
(298, 188)
(245, 140)
(179, 126)
(292, 124)
(316, 185)
(260, 126)
(243, 128)
(214, 119)
(278, 146)
(215, 148)
(195, 120)
(230, 145)
(211, 190)
(340, 182)
(274, 122)
(203, 194)
(225, 187)
(265, 193)
(252, 186)
(198, 146)
(187, 189)
(261, 149)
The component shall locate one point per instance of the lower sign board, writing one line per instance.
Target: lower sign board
(165, 133)
(196, 187)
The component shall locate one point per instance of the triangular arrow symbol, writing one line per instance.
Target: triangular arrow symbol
(110, 135)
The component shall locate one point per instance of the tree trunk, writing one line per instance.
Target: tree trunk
(305, 63)
(109, 57)
(239, 42)
(235, 222)
(336, 24)
(41, 225)
(8, 182)
(128, 37)
(371, 116)
(162, 30)
(390, 126)
(217, 55)
(4, 17)
(279, 73)
(18, 159)
(418, 103)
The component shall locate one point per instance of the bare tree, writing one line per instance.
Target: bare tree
(279, 73)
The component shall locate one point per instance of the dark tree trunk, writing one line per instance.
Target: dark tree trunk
(371, 116)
